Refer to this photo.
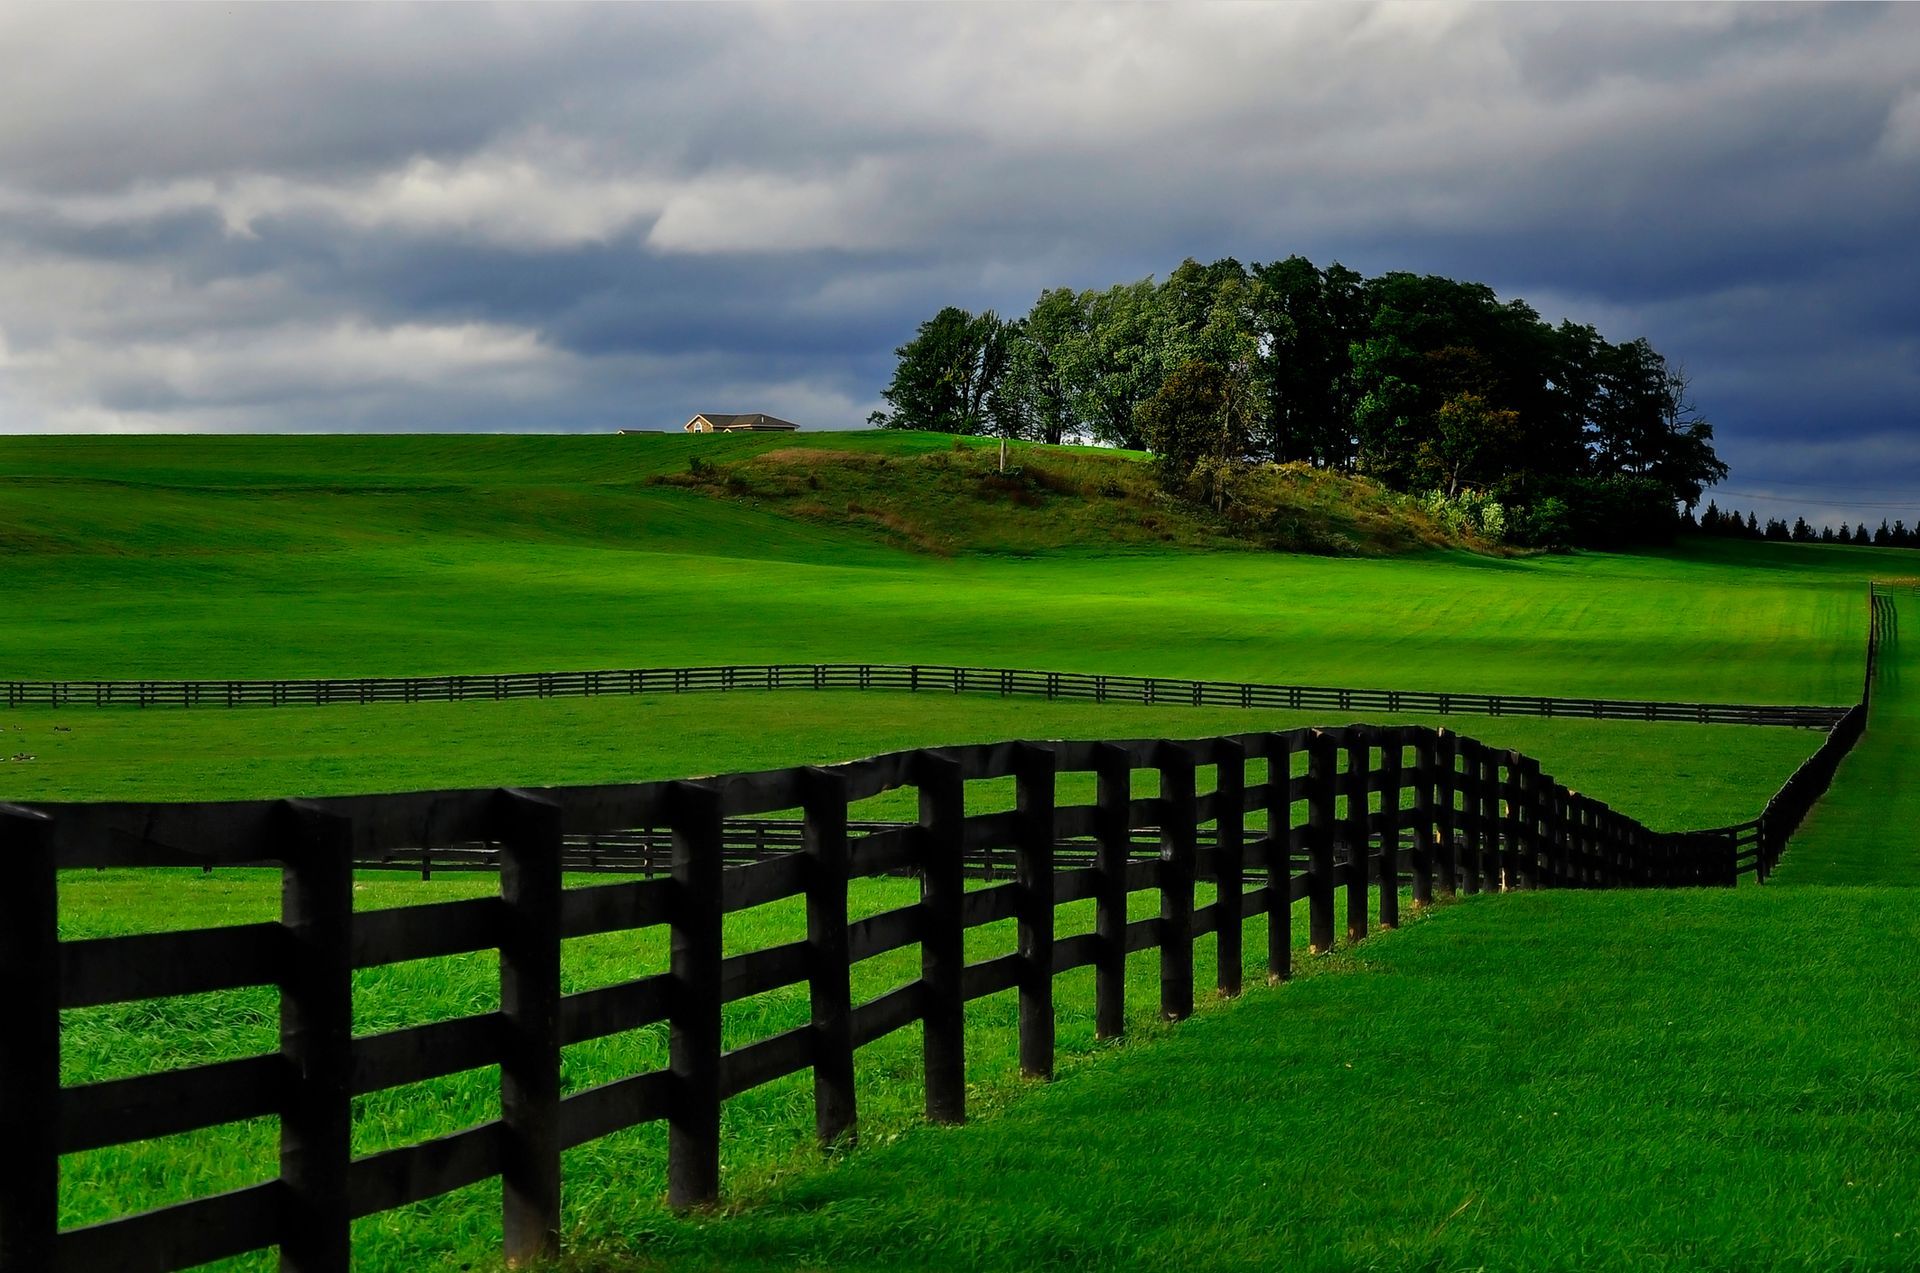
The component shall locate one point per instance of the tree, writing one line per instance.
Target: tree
(1305, 321)
(1473, 443)
(1116, 369)
(1046, 355)
(949, 374)
(1199, 421)
(1802, 533)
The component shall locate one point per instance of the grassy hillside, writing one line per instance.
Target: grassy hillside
(131, 557)
(961, 500)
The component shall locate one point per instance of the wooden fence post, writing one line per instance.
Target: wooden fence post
(943, 798)
(530, 1011)
(1279, 858)
(1176, 881)
(693, 1040)
(1468, 784)
(829, 967)
(1323, 790)
(1532, 847)
(30, 1045)
(1229, 854)
(1392, 763)
(1359, 762)
(1576, 842)
(1446, 789)
(1033, 875)
(1519, 870)
(1570, 866)
(1421, 860)
(1494, 872)
(1114, 772)
(316, 1039)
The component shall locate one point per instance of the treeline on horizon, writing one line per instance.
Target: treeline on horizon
(1534, 433)
(1733, 524)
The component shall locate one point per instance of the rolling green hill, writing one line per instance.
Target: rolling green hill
(168, 557)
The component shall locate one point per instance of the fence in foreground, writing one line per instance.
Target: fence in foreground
(911, 678)
(1305, 814)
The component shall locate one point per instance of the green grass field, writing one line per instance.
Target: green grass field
(1711, 1080)
(1539, 1081)
(158, 557)
(1864, 831)
(1706, 775)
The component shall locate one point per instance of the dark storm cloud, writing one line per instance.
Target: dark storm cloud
(422, 218)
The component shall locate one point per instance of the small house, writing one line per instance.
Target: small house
(755, 422)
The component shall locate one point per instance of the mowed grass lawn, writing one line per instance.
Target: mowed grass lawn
(1696, 1079)
(1867, 829)
(178, 557)
(1670, 776)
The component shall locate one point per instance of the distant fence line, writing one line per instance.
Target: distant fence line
(911, 678)
(1763, 839)
(1364, 809)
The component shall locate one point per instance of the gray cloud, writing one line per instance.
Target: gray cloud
(287, 217)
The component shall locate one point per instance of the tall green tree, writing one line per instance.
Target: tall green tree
(949, 374)
(1117, 368)
(1047, 361)
(1200, 420)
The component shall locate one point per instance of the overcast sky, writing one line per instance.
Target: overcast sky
(545, 218)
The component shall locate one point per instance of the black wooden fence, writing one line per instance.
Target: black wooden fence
(1353, 811)
(911, 678)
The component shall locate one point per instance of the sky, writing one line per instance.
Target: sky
(547, 218)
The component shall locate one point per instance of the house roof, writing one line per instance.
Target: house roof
(749, 420)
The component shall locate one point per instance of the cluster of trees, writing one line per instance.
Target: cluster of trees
(1732, 524)
(1425, 383)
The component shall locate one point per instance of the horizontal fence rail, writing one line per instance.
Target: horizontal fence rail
(911, 678)
(648, 851)
(1306, 814)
